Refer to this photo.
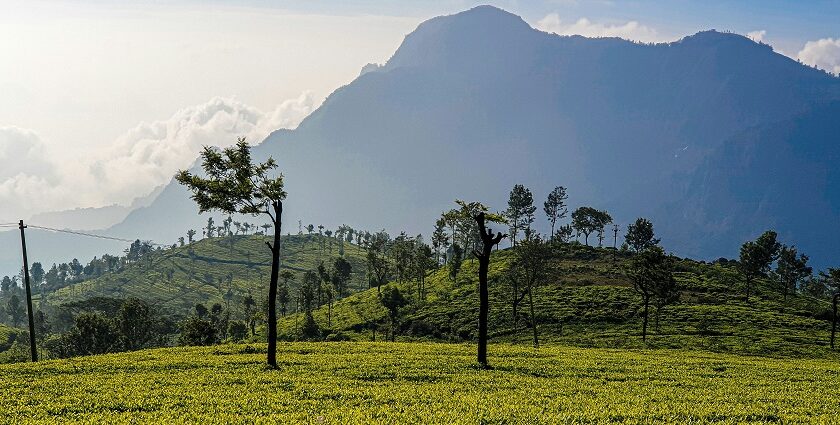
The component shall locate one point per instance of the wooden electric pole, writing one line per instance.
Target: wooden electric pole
(615, 236)
(32, 348)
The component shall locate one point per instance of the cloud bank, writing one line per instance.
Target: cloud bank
(144, 157)
(823, 54)
(631, 30)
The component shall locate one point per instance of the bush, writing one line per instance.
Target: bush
(93, 333)
(237, 330)
(310, 329)
(338, 336)
(195, 331)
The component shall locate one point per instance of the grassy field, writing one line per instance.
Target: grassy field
(174, 280)
(353, 382)
(588, 301)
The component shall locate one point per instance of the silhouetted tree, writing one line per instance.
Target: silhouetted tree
(756, 258)
(341, 275)
(15, 310)
(555, 206)
(587, 220)
(488, 240)
(137, 324)
(651, 272)
(190, 236)
(393, 300)
(377, 259)
(790, 269)
(235, 185)
(455, 262)
(283, 296)
(832, 277)
(439, 238)
(520, 211)
(528, 270)
(640, 235)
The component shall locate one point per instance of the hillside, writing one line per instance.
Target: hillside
(341, 383)
(588, 301)
(672, 132)
(175, 279)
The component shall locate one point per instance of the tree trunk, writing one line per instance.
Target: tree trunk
(488, 240)
(272, 287)
(533, 317)
(645, 322)
(484, 307)
(749, 285)
(834, 318)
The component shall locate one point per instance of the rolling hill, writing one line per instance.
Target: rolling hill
(209, 271)
(589, 301)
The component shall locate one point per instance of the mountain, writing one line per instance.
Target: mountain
(473, 103)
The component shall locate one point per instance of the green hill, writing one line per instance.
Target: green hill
(588, 301)
(175, 279)
(341, 383)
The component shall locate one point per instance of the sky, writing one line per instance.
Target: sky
(101, 101)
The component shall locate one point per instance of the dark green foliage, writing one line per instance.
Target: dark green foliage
(587, 220)
(652, 276)
(235, 185)
(138, 324)
(94, 333)
(554, 206)
(756, 258)
(393, 300)
(640, 236)
(791, 269)
(455, 262)
(196, 331)
(310, 329)
(237, 330)
(520, 211)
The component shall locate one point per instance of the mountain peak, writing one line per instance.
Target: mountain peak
(446, 38)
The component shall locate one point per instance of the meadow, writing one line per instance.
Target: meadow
(365, 382)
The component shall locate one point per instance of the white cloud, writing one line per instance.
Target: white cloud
(757, 36)
(141, 159)
(823, 53)
(631, 30)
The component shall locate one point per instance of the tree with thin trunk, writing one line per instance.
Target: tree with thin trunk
(756, 258)
(640, 235)
(520, 211)
(233, 184)
(651, 274)
(587, 220)
(488, 240)
(832, 280)
(555, 206)
(528, 270)
(791, 270)
(393, 300)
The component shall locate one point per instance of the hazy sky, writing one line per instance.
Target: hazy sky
(101, 101)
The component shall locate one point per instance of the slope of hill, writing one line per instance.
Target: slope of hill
(211, 270)
(473, 103)
(373, 383)
(589, 302)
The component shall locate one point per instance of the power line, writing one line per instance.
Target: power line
(91, 235)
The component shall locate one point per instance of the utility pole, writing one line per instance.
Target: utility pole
(615, 236)
(32, 348)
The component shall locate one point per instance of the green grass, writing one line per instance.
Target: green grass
(352, 382)
(174, 280)
(589, 302)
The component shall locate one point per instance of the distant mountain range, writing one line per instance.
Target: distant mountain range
(714, 137)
